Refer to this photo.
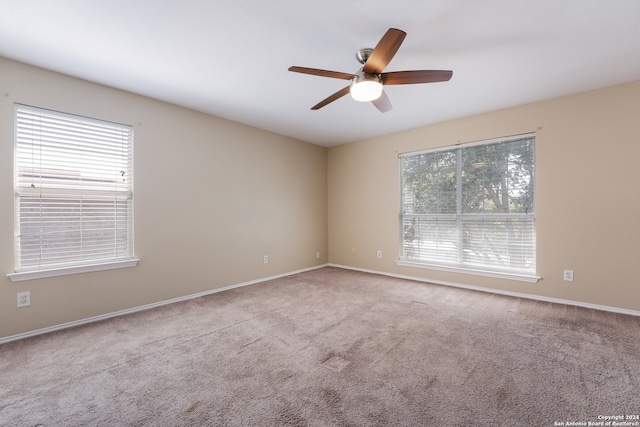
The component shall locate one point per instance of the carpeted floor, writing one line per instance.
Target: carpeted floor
(330, 347)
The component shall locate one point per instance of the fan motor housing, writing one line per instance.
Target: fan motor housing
(361, 76)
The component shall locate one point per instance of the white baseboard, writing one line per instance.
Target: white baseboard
(148, 306)
(265, 279)
(497, 291)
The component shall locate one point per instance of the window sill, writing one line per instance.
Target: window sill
(41, 274)
(522, 277)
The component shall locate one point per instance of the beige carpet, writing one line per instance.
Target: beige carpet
(330, 347)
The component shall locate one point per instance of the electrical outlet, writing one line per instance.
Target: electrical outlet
(353, 250)
(266, 259)
(568, 275)
(379, 254)
(24, 299)
(318, 255)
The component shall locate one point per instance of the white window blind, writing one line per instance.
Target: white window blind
(73, 189)
(471, 206)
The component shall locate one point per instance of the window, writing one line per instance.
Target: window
(471, 207)
(73, 190)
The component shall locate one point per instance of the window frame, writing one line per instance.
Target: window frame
(459, 266)
(74, 191)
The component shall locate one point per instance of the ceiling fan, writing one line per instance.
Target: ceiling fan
(367, 83)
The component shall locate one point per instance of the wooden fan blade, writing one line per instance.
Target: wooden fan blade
(321, 73)
(383, 103)
(384, 51)
(339, 94)
(417, 76)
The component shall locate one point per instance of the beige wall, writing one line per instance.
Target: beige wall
(588, 153)
(211, 198)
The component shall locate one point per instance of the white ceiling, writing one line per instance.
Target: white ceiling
(230, 57)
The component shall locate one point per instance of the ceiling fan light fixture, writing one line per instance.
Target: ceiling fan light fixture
(366, 84)
(366, 87)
